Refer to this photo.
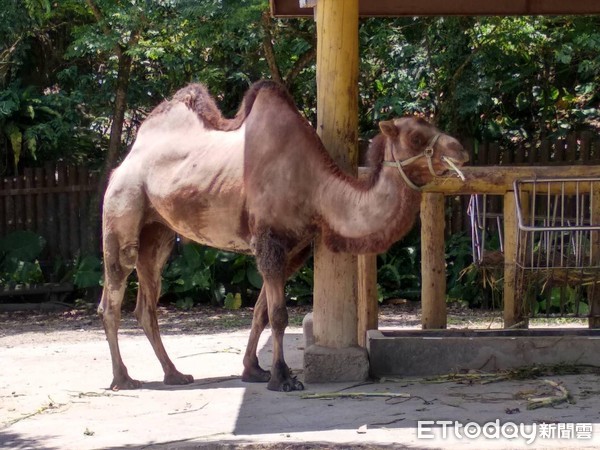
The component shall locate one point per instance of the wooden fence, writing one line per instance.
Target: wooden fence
(52, 201)
(575, 149)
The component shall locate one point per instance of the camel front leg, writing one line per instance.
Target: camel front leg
(253, 373)
(272, 262)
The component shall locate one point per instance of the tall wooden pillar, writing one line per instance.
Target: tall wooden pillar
(335, 355)
(334, 311)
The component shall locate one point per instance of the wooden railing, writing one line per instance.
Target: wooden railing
(496, 180)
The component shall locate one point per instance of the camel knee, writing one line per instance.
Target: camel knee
(128, 255)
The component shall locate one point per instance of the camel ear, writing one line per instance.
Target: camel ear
(389, 128)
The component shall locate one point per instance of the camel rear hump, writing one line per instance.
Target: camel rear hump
(197, 99)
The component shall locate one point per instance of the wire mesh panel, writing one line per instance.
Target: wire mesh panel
(558, 242)
(486, 230)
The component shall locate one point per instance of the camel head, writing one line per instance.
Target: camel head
(419, 150)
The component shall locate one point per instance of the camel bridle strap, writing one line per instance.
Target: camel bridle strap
(427, 153)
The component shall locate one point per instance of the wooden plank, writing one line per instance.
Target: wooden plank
(395, 8)
(482, 153)
(368, 305)
(19, 203)
(63, 222)
(335, 280)
(513, 307)
(544, 152)
(586, 147)
(9, 207)
(499, 179)
(74, 243)
(39, 190)
(50, 209)
(83, 180)
(433, 264)
(94, 232)
(559, 151)
(29, 201)
(571, 148)
(38, 182)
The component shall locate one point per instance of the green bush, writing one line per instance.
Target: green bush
(19, 253)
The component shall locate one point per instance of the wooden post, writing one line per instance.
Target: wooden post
(335, 282)
(513, 288)
(433, 263)
(368, 307)
(29, 203)
(594, 289)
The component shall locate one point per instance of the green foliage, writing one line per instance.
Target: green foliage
(19, 253)
(233, 301)
(468, 282)
(190, 271)
(39, 126)
(299, 287)
(557, 300)
(205, 274)
(88, 272)
(398, 272)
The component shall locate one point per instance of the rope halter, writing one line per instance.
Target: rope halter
(427, 153)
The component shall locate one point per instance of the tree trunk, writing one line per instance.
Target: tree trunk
(114, 143)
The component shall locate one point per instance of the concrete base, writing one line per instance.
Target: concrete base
(323, 364)
(436, 352)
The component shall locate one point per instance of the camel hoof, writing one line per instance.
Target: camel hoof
(125, 384)
(287, 386)
(177, 378)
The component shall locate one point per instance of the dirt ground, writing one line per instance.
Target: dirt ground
(55, 367)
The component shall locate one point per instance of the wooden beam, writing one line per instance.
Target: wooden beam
(335, 275)
(433, 263)
(499, 179)
(395, 8)
(368, 305)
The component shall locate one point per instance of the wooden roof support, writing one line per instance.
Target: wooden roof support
(335, 275)
(394, 8)
(335, 355)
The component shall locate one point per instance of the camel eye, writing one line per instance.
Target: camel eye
(417, 140)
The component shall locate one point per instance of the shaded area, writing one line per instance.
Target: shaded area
(18, 442)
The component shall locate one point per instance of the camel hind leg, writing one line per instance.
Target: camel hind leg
(156, 242)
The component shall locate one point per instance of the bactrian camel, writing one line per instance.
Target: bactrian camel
(261, 183)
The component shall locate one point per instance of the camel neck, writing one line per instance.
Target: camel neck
(367, 217)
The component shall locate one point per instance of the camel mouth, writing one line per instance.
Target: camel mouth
(453, 164)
